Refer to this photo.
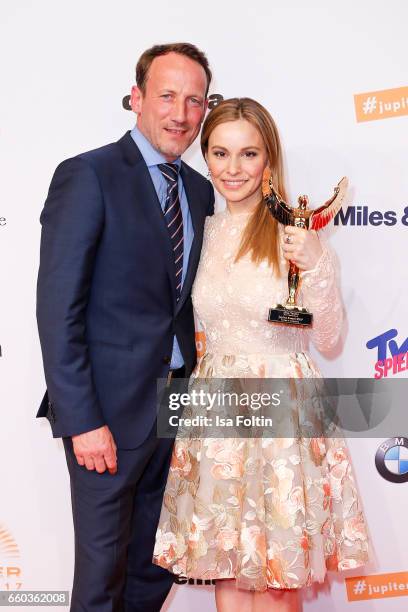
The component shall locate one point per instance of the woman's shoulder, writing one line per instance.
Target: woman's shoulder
(217, 216)
(215, 220)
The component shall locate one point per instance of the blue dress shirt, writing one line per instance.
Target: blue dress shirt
(153, 158)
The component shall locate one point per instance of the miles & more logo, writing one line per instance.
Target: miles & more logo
(391, 357)
(361, 216)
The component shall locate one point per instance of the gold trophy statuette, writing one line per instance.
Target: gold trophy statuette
(289, 313)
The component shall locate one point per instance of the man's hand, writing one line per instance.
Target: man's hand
(96, 450)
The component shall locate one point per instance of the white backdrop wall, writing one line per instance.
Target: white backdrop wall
(65, 70)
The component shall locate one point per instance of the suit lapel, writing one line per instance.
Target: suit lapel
(146, 198)
(193, 198)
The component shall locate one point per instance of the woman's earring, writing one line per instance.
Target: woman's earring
(266, 182)
(209, 174)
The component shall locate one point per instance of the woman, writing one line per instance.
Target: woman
(263, 517)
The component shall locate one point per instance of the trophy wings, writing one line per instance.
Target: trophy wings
(315, 219)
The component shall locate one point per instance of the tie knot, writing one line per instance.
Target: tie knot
(169, 171)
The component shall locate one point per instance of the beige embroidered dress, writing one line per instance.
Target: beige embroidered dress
(274, 512)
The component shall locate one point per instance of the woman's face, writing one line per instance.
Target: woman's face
(236, 158)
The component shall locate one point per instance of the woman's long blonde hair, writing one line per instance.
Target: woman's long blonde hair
(260, 236)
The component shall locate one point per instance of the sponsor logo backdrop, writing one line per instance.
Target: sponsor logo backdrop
(68, 67)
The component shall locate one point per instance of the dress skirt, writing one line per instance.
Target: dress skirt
(267, 512)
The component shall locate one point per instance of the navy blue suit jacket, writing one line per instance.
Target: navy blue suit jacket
(106, 306)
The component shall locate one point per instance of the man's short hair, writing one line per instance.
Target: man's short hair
(187, 49)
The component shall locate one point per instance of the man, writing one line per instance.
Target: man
(121, 238)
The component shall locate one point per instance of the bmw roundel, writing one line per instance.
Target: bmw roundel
(391, 460)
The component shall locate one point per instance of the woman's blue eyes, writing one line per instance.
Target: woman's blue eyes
(221, 154)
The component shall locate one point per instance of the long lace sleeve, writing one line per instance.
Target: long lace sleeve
(321, 295)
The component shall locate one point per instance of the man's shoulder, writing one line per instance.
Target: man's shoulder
(101, 152)
(194, 174)
(201, 185)
(106, 154)
(198, 182)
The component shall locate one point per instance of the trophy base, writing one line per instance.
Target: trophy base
(290, 316)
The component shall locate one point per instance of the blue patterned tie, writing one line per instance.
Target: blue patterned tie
(174, 219)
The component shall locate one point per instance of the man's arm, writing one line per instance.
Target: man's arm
(72, 221)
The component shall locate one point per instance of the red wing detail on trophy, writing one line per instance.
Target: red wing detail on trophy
(321, 216)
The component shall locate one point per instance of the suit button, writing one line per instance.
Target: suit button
(166, 360)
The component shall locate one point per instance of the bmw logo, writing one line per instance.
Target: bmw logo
(391, 460)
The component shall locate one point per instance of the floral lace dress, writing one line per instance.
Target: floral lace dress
(269, 512)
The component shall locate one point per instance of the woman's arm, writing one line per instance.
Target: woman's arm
(320, 294)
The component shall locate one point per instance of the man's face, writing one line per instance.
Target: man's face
(172, 108)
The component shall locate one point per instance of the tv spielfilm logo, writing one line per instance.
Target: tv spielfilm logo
(397, 361)
(10, 570)
(391, 460)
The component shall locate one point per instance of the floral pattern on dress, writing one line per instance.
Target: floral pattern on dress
(269, 512)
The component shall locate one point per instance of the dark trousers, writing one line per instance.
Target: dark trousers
(115, 520)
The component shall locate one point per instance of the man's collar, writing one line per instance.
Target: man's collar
(151, 156)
